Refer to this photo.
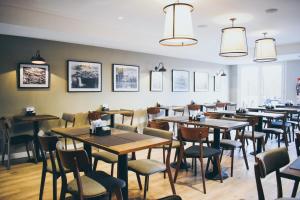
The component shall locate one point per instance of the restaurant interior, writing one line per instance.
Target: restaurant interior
(149, 99)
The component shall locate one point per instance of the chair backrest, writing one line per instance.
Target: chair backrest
(297, 144)
(193, 134)
(94, 115)
(268, 162)
(126, 127)
(193, 107)
(221, 106)
(231, 107)
(129, 113)
(158, 133)
(178, 110)
(68, 118)
(159, 125)
(48, 145)
(213, 115)
(152, 112)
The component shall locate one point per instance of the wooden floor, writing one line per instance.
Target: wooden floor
(23, 181)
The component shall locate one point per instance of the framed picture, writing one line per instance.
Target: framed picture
(217, 83)
(201, 82)
(156, 81)
(84, 76)
(33, 76)
(125, 78)
(180, 81)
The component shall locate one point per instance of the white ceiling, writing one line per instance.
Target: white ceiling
(137, 25)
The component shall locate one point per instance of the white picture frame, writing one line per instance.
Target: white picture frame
(156, 81)
(180, 81)
(201, 82)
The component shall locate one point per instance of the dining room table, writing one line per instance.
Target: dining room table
(120, 142)
(259, 126)
(217, 125)
(35, 120)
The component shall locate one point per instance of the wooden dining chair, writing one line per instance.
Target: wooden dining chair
(108, 157)
(90, 185)
(220, 106)
(69, 120)
(268, 162)
(196, 135)
(48, 149)
(8, 140)
(129, 114)
(193, 108)
(93, 115)
(152, 113)
(147, 167)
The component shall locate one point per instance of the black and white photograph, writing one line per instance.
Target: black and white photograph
(156, 81)
(217, 83)
(125, 78)
(180, 81)
(201, 82)
(84, 76)
(33, 76)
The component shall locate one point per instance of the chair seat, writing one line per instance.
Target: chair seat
(19, 139)
(230, 144)
(90, 187)
(194, 151)
(257, 135)
(276, 124)
(172, 197)
(107, 156)
(273, 130)
(49, 167)
(146, 166)
(109, 182)
(293, 122)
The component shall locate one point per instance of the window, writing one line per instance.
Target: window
(259, 82)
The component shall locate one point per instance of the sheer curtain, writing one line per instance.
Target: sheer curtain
(259, 82)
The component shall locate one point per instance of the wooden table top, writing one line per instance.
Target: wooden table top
(114, 112)
(256, 114)
(120, 142)
(35, 118)
(211, 123)
(291, 173)
(286, 109)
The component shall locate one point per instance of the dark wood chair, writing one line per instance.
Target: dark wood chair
(193, 108)
(152, 113)
(69, 119)
(48, 147)
(90, 185)
(268, 162)
(108, 157)
(147, 167)
(196, 135)
(12, 140)
(129, 114)
(93, 115)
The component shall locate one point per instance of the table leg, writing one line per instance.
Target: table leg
(214, 175)
(112, 121)
(166, 112)
(259, 128)
(36, 129)
(88, 149)
(123, 173)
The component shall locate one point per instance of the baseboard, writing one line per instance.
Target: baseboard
(23, 154)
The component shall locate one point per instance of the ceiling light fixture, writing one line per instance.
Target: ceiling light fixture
(37, 59)
(178, 25)
(233, 41)
(265, 49)
(160, 68)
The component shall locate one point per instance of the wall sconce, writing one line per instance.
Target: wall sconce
(221, 73)
(160, 68)
(37, 59)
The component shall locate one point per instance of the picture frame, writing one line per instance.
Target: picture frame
(201, 82)
(180, 81)
(156, 81)
(126, 78)
(84, 76)
(33, 75)
(217, 83)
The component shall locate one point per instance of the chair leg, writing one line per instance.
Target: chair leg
(3, 152)
(54, 186)
(285, 140)
(149, 153)
(219, 168)
(232, 161)
(207, 165)
(278, 141)
(27, 150)
(33, 152)
(245, 156)
(221, 155)
(112, 169)
(118, 194)
(66, 143)
(8, 155)
(145, 186)
(95, 164)
(295, 188)
(74, 144)
(139, 181)
(203, 175)
(43, 178)
(179, 160)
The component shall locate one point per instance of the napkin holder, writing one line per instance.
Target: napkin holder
(102, 131)
(201, 118)
(30, 111)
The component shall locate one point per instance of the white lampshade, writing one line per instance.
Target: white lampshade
(178, 25)
(233, 42)
(265, 50)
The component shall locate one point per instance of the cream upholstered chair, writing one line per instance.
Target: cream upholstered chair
(268, 162)
(147, 167)
(107, 156)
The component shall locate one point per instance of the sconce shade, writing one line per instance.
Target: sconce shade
(265, 50)
(37, 59)
(178, 25)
